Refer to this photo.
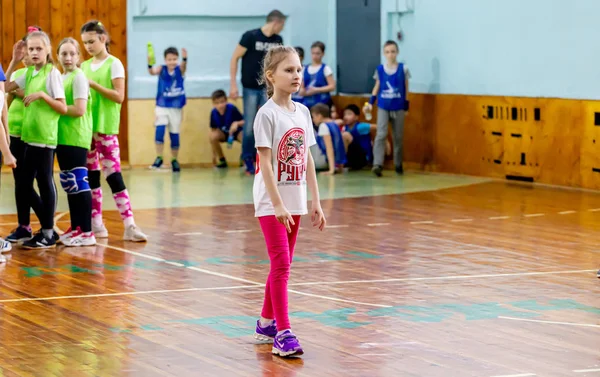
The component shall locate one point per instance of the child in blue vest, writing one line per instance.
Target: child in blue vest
(297, 97)
(170, 100)
(318, 81)
(390, 91)
(357, 139)
(329, 153)
(226, 124)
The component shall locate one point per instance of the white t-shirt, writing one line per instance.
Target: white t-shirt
(314, 69)
(319, 156)
(117, 69)
(54, 85)
(289, 135)
(81, 85)
(391, 70)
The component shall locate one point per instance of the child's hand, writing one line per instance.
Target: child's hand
(10, 160)
(93, 84)
(184, 53)
(368, 107)
(28, 100)
(19, 51)
(311, 91)
(284, 217)
(317, 217)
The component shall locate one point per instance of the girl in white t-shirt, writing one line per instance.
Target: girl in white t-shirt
(284, 134)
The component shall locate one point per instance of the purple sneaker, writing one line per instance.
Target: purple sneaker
(267, 333)
(286, 344)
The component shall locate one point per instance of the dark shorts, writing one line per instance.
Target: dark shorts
(357, 157)
(225, 135)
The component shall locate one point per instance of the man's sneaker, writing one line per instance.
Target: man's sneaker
(286, 344)
(175, 166)
(100, 231)
(134, 234)
(19, 234)
(267, 333)
(377, 170)
(39, 241)
(79, 238)
(157, 163)
(5, 246)
(399, 170)
(222, 164)
(66, 235)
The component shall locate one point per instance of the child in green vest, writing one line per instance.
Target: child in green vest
(16, 111)
(74, 141)
(44, 104)
(106, 76)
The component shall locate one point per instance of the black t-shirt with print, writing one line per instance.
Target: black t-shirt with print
(257, 45)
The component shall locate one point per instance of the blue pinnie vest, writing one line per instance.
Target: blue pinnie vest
(392, 89)
(361, 133)
(171, 93)
(317, 80)
(338, 144)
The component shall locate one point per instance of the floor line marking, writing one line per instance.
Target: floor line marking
(518, 375)
(551, 322)
(337, 226)
(499, 217)
(130, 293)
(421, 222)
(566, 212)
(188, 234)
(238, 231)
(457, 277)
(534, 215)
(226, 276)
(461, 220)
(585, 370)
(378, 224)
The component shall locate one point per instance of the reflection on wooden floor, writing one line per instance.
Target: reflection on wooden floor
(486, 280)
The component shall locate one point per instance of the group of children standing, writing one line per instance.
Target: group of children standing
(75, 116)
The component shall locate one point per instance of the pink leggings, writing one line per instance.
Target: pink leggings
(280, 245)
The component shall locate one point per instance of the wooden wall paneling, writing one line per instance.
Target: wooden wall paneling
(118, 32)
(8, 30)
(590, 145)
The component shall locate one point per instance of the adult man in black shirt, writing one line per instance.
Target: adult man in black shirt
(252, 49)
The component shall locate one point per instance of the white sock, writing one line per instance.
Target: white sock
(97, 221)
(282, 331)
(264, 322)
(128, 222)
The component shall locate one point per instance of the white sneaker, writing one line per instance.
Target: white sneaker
(66, 235)
(5, 246)
(80, 239)
(134, 234)
(100, 231)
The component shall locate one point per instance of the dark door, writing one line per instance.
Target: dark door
(358, 44)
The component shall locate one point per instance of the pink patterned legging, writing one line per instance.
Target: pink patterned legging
(106, 154)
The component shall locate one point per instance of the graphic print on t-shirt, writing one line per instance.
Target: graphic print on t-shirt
(291, 154)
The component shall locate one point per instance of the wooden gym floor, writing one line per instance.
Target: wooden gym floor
(485, 279)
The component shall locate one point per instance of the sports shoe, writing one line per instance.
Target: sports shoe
(286, 344)
(222, 164)
(20, 234)
(78, 238)
(39, 241)
(134, 234)
(5, 246)
(267, 333)
(66, 235)
(377, 170)
(157, 163)
(399, 170)
(598, 274)
(100, 231)
(175, 166)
